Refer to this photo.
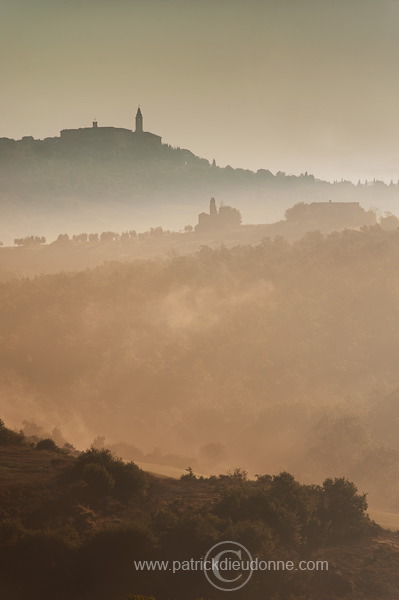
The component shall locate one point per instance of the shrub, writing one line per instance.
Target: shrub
(256, 536)
(344, 510)
(189, 476)
(111, 549)
(128, 478)
(8, 437)
(47, 444)
(98, 479)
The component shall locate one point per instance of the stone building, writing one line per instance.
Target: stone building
(224, 218)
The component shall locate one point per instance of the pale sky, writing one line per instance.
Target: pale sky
(290, 85)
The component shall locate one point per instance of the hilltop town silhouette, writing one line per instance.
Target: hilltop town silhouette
(112, 136)
(101, 177)
(93, 138)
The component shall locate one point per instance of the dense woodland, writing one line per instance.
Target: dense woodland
(274, 357)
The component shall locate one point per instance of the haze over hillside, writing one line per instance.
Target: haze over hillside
(199, 297)
(270, 357)
(222, 225)
(104, 177)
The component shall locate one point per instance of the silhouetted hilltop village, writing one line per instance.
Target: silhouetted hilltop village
(117, 142)
(91, 139)
(112, 137)
(101, 177)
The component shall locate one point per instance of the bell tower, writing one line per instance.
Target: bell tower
(139, 121)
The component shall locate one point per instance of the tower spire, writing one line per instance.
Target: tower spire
(139, 121)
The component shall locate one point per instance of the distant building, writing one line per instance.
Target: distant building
(112, 135)
(224, 218)
(330, 215)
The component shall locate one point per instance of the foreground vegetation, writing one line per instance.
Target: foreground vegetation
(76, 531)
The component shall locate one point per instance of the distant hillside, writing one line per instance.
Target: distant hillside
(47, 186)
(303, 370)
(34, 255)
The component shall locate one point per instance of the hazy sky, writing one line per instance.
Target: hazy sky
(288, 85)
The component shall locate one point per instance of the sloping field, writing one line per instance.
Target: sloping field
(385, 518)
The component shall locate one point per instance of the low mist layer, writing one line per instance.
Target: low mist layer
(274, 357)
(47, 187)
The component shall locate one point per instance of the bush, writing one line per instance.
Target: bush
(189, 476)
(128, 478)
(112, 548)
(344, 510)
(256, 536)
(8, 437)
(98, 479)
(47, 444)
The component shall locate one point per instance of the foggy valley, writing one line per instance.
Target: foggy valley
(303, 377)
(199, 300)
(225, 378)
